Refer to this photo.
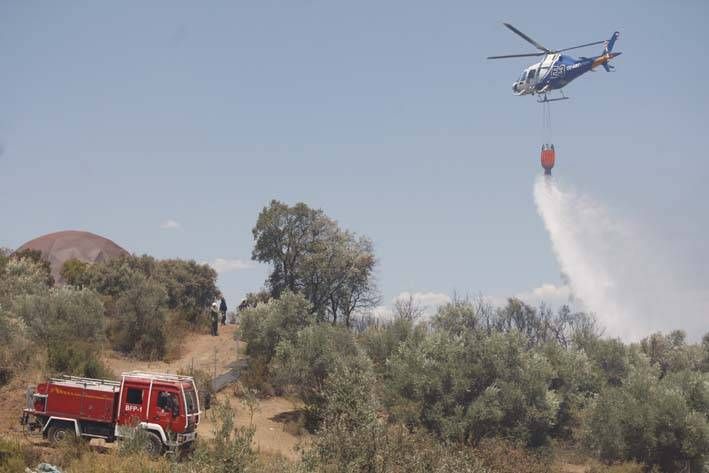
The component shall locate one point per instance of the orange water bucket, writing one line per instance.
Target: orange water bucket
(548, 158)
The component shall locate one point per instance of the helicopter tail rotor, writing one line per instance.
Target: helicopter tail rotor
(608, 46)
(608, 53)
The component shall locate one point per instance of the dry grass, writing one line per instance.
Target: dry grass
(501, 456)
(569, 459)
(274, 433)
(198, 351)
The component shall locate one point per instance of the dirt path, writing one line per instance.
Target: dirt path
(214, 355)
(273, 432)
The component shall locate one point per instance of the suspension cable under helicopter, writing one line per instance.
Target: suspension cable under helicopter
(546, 123)
(548, 152)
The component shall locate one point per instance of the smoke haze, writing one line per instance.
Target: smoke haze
(615, 270)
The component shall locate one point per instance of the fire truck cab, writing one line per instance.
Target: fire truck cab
(164, 406)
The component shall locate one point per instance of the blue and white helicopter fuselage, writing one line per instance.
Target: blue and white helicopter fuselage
(556, 70)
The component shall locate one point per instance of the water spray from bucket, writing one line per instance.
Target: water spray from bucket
(612, 268)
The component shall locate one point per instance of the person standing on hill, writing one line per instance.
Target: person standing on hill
(214, 314)
(222, 309)
(244, 304)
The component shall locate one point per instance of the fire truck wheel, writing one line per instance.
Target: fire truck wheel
(60, 432)
(153, 445)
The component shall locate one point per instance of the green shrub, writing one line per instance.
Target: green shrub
(62, 314)
(113, 277)
(68, 324)
(671, 353)
(36, 257)
(305, 363)
(381, 341)
(139, 327)
(134, 444)
(377, 448)
(76, 273)
(15, 349)
(464, 389)
(611, 357)
(256, 375)
(77, 358)
(576, 381)
(20, 277)
(189, 287)
(652, 421)
(263, 327)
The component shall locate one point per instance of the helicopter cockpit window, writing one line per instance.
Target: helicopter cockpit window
(531, 75)
(521, 78)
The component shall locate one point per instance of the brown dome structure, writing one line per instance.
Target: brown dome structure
(60, 247)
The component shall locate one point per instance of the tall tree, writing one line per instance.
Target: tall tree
(311, 255)
(284, 236)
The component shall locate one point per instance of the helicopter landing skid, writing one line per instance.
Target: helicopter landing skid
(546, 99)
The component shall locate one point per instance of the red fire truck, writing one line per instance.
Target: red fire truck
(164, 406)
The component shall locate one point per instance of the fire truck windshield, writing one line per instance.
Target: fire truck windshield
(191, 401)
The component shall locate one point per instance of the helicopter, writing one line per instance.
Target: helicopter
(556, 70)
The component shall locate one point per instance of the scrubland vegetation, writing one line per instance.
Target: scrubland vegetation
(137, 306)
(473, 388)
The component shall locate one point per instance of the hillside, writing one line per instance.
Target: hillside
(201, 351)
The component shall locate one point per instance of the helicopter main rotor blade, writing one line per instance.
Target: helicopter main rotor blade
(516, 55)
(527, 38)
(582, 46)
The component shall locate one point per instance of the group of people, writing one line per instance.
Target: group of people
(218, 312)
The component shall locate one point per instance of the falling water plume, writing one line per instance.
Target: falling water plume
(613, 269)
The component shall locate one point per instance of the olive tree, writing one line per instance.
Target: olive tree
(653, 420)
(68, 324)
(467, 388)
(139, 327)
(76, 273)
(263, 327)
(304, 363)
(20, 277)
(62, 314)
(36, 257)
(189, 286)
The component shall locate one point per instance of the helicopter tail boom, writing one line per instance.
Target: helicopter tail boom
(603, 59)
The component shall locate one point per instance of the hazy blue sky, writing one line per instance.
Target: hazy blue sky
(119, 118)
